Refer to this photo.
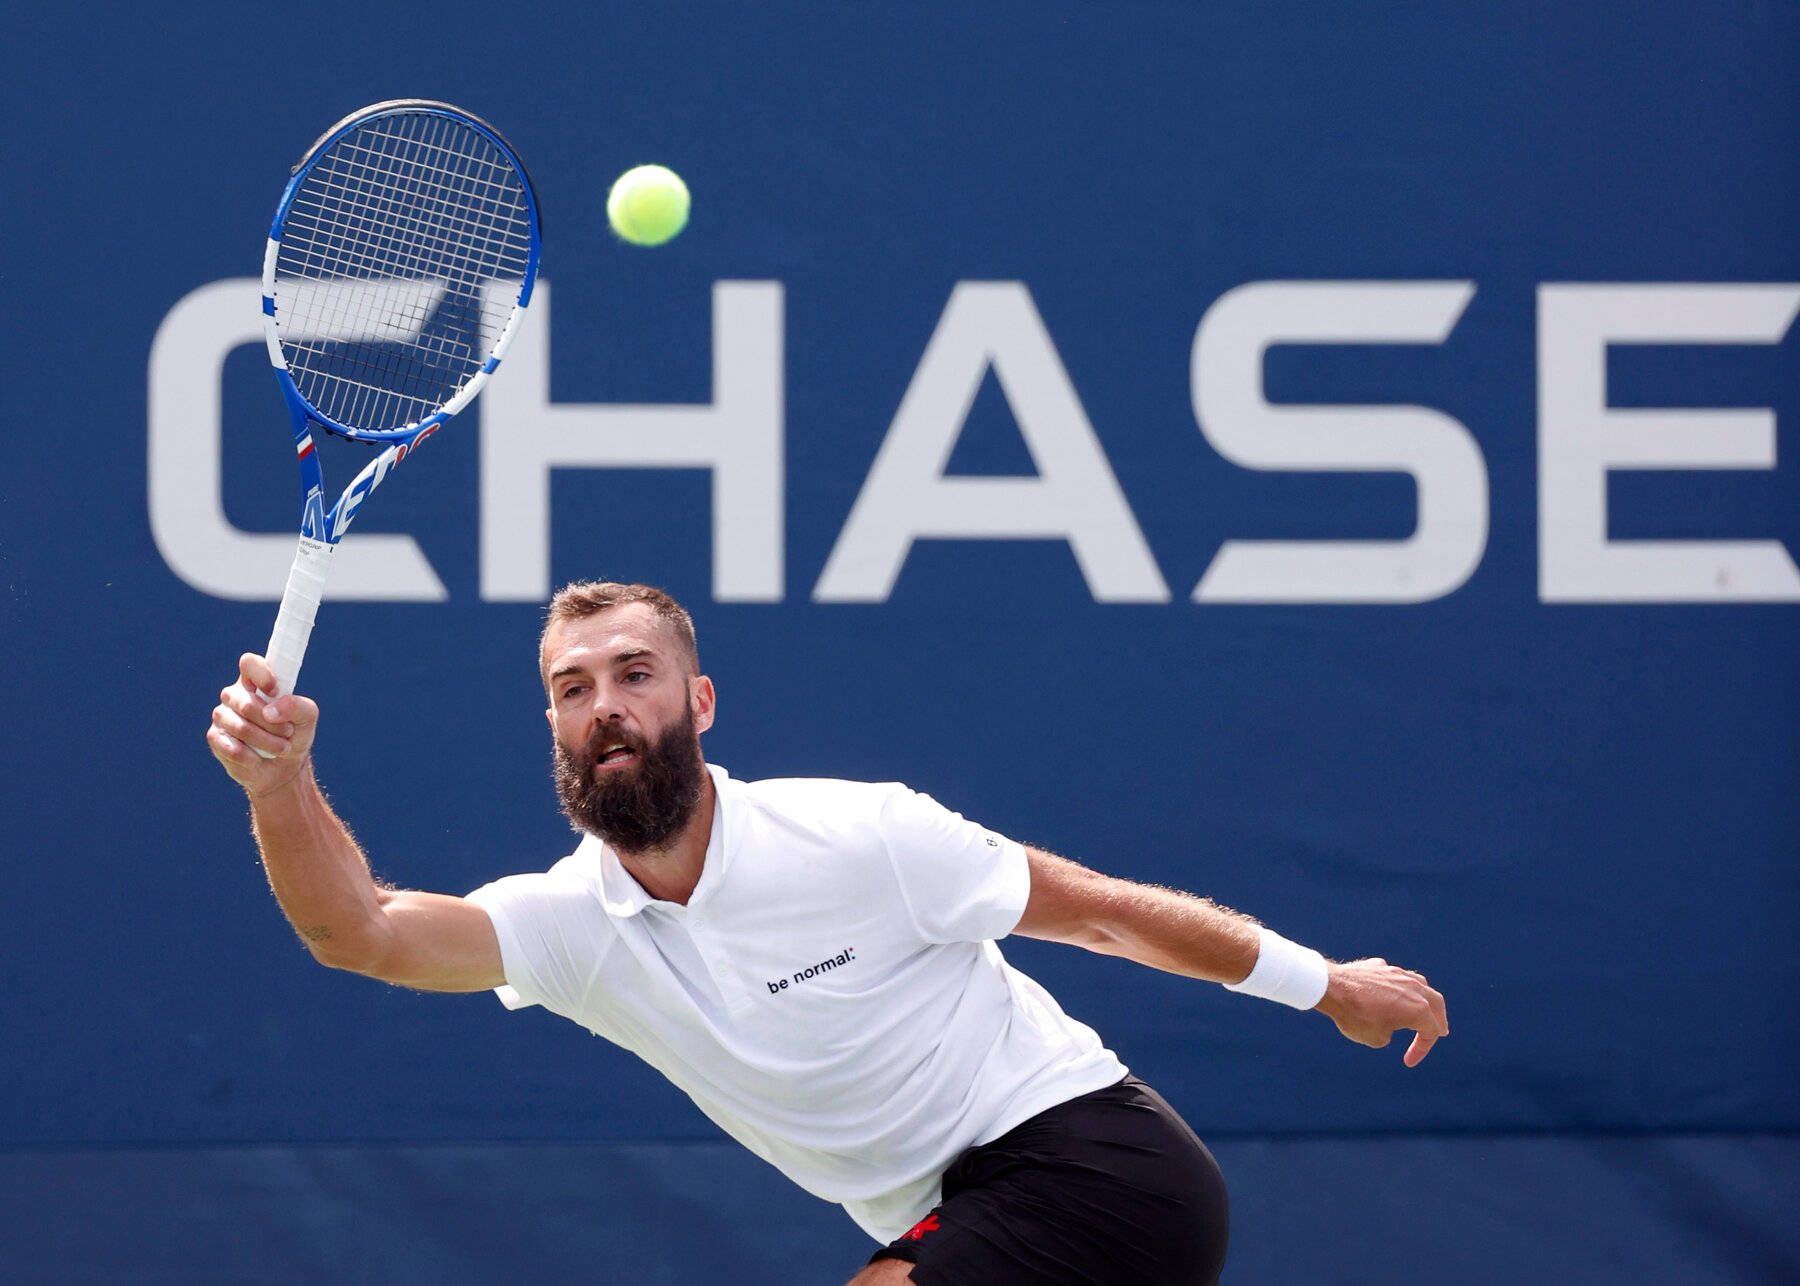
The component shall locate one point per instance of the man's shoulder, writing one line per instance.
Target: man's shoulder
(578, 870)
(801, 797)
(826, 788)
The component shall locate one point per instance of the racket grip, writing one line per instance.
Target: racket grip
(299, 607)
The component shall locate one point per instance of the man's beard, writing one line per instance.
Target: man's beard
(640, 808)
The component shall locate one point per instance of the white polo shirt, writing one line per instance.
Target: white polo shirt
(831, 994)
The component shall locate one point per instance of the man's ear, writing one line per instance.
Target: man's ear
(702, 700)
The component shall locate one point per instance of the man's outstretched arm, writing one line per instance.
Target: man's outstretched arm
(316, 868)
(1369, 1000)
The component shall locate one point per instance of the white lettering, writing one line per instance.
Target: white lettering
(1074, 497)
(1243, 426)
(739, 436)
(186, 484)
(1581, 438)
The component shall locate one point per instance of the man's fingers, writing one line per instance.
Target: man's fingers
(285, 713)
(300, 711)
(282, 715)
(253, 708)
(244, 730)
(256, 672)
(1430, 1026)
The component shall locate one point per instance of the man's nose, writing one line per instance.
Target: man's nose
(606, 705)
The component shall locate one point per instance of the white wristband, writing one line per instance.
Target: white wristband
(1286, 973)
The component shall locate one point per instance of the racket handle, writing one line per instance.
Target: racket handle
(294, 622)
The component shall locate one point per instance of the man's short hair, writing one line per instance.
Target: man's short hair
(582, 599)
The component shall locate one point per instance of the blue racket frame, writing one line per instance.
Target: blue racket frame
(316, 522)
(322, 529)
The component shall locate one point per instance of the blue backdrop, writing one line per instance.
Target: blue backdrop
(1405, 404)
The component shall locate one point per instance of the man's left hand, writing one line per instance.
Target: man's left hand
(1370, 1000)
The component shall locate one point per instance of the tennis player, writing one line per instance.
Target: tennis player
(814, 962)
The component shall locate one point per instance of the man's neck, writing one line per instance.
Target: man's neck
(670, 874)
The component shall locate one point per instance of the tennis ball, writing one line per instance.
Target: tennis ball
(648, 205)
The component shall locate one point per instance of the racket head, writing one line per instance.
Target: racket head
(402, 254)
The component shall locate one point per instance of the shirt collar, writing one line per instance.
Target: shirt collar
(623, 896)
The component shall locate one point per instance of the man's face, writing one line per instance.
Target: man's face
(626, 716)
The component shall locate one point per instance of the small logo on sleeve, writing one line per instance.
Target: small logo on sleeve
(842, 958)
(917, 1232)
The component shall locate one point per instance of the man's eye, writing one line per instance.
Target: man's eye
(637, 675)
(573, 690)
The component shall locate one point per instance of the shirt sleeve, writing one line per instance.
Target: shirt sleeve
(961, 882)
(544, 949)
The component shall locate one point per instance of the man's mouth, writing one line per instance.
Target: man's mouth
(614, 756)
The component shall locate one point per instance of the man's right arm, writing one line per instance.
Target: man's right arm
(428, 941)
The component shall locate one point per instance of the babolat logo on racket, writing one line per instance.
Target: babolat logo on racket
(312, 520)
(401, 257)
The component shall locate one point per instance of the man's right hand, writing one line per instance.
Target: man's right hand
(246, 721)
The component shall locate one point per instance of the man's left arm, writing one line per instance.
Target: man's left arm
(1369, 1000)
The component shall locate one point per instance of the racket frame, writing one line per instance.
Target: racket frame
(322, 529)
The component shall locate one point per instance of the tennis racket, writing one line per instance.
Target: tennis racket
(401, 259)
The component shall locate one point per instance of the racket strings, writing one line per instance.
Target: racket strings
(432, 221)
(419, 228)
(420, 220)
(385, 298)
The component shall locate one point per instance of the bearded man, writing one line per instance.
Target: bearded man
(814, 963)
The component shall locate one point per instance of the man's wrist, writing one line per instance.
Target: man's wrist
(1285, 972)
(296, 781)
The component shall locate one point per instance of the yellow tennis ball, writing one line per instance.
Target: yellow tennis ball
(648, 205)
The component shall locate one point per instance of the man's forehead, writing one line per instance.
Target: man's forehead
(628, 627)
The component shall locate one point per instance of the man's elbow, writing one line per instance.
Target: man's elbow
(361, 950)
(1091, 935)
(1071, 904)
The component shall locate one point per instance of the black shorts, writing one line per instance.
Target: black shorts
(1109, 1189)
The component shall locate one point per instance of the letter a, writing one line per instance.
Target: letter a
(1074, 497)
